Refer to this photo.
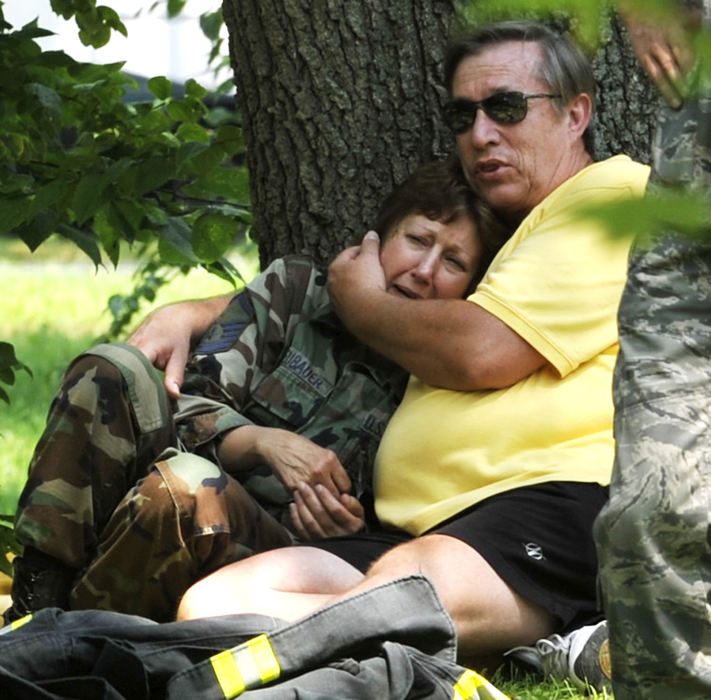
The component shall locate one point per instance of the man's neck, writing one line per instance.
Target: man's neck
(581, 161)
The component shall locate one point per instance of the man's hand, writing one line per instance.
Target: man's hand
(317, 513)
(165, 337)
(293, 458)
(355, 268)
(663, 50)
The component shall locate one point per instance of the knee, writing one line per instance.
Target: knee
(216, 594)
(189, 606)
(151, 496)
(197, 490)
(428, 555)
(100, 369)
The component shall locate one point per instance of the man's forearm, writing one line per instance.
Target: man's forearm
(451, 343)
(204, 312)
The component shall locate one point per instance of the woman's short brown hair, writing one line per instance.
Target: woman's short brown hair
(439, 191)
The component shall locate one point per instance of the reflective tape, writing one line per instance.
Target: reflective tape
(472, 686)
(248, 665)
(17, 623)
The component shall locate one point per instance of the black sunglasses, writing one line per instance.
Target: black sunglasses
(503, 107)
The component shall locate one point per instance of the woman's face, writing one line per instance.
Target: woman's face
(427, 259)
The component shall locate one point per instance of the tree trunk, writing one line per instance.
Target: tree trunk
(626, 99)
(340, 100)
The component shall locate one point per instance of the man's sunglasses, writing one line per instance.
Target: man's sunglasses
(502, 107)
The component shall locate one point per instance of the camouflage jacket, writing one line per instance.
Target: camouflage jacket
(280, 357)
(681, 151)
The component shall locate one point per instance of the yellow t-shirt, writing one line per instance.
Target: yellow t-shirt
(557, 282)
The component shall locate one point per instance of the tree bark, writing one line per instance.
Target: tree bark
(340, 100)
(626, 98)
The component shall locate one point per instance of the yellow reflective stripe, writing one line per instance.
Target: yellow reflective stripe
(229, 677)
(248, 665)
(472, 686)
(17, 623)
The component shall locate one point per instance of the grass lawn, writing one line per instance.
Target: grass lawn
(54, 307)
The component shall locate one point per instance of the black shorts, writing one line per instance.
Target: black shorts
(538, 539)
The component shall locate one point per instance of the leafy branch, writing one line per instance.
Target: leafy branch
(164, 177)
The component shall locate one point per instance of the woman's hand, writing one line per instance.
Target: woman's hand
(293, 458)
(317, 513)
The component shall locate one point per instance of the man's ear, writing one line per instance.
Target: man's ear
(579, 115)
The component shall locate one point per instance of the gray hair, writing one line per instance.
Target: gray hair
(564, 68)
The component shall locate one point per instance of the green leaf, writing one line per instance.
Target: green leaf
(48, 195)
(39, 229)
(193, 132)
(152, 174)
(195, 90)
(32, 31)
(161, 87)
(232, 183)
(7, 354)
(231, 138)
(13, 212)
(213, 234)
(97, 36)
(8, 358)
(176, 243)
(187, 152)
(203, 162)
(47, 97)
(131, 213)
(110, 17)
(65, 8)
(224, 269)
(84, 240)
(211, 23)
(180, 111)
(87, 196)
(7, 376)
(108, 234)
(175, 7)
(685, 212)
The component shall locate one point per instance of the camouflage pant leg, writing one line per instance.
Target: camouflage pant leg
(109, 421)
(178, 524)
(653, 536)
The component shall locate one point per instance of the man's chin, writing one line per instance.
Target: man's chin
(502, 199)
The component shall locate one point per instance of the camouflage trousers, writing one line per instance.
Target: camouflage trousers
(111, 496)
(654, 535)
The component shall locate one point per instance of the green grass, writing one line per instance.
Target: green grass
(53, 307)
(528, 687)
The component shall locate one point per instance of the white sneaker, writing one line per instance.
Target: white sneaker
(582, 656)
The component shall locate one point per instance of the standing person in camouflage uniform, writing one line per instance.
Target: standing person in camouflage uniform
(653, 537)
(132, 497)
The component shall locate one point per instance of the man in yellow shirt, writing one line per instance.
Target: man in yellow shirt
(492, 471)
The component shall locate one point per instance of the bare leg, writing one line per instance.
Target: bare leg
(488, 615)
(288, 583)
